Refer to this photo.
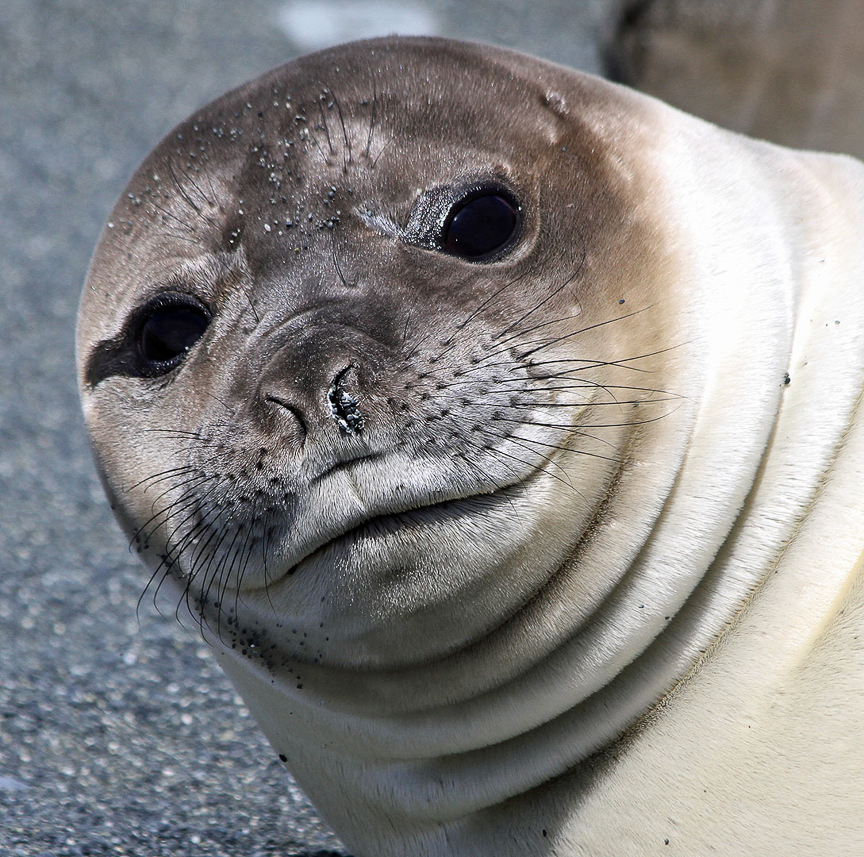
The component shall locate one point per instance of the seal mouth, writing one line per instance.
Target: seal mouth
(347, 464)
(389, 523)
(384, 522)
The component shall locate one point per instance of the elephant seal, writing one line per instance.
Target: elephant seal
(501, 429)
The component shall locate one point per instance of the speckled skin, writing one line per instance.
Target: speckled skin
(569, 586)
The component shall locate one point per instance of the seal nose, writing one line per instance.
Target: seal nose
(312, 388)
(344, 406)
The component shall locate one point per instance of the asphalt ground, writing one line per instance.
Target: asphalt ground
(118, 735)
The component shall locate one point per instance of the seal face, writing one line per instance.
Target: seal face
(443, 387)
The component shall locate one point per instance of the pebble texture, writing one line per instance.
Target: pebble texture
(118, 735)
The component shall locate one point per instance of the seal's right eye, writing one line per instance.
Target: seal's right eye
(155, 339)
(166, 333)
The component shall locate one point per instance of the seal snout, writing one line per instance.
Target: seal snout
(311, 382)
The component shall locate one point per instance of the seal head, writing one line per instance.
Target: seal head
(346, 349)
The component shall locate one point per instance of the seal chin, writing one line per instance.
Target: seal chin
(394, 583)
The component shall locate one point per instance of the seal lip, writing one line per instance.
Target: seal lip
(389, 523)
(393, 521)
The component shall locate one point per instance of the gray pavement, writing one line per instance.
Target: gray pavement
(118, 735)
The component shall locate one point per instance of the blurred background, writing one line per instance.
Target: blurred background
(118, 735)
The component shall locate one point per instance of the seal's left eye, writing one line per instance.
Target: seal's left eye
(481, 226)
(167, 332)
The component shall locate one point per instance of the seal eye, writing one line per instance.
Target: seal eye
(153, 341)
(167, 332)
(481, 225)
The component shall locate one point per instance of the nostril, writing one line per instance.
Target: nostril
(292, 409)
(345, 410)
(344, 406)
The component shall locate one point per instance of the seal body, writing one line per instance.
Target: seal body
(500, 428)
